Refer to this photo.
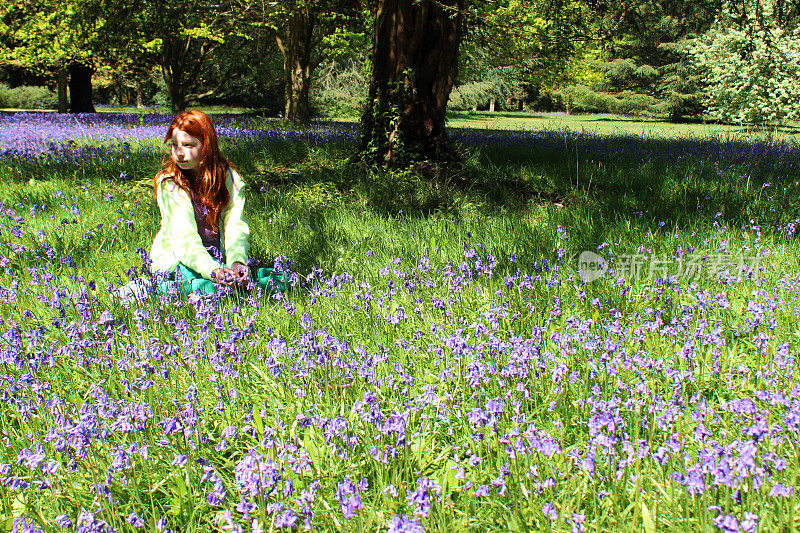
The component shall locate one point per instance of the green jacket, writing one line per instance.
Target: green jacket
(178, 240)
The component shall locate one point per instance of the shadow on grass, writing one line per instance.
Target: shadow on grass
(684, 181)
(600, 188)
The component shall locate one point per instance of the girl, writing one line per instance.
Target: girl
(203, 238)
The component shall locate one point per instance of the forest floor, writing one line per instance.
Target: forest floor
(573, 331)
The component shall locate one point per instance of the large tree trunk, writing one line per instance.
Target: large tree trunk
(63, 100)
(172, 68)
(296, 49)
(80, 89)
(414, 65)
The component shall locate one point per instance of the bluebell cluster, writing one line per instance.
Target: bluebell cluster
(82, 138)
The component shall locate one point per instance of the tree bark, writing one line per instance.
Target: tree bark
(172, 70)
(414, 66)
(181, 63)
(80, 89)
(63, 99)
(296, 49)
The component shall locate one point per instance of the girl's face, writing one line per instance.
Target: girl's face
(185, 150)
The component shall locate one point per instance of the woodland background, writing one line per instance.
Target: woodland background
(681, 61)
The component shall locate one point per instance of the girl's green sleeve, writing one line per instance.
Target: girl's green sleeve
(235, 231)
(178, 240)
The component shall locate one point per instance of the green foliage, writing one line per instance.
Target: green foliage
(385, 116)
(644, 51)
(47, 34)
(511, 44)
(119, 86)
(340, 88)
(499, 84)
(584, 99)
(258, 81)
(27, 97)
(624, 74)
(751, 65)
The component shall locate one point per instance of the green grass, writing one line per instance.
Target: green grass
(608, 124)
(375, 244)
(614, 125)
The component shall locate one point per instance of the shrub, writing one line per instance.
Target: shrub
(538, 99)
(679, 106)
(584, 99)
(468, 95)
(632, 103)
(27, 97)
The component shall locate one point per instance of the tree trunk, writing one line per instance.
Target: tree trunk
(80, 89)
(491, 105)
(139, 104)
(63, 100)
(175, 90)
(119, 87)
(414, 65)
(296, 50)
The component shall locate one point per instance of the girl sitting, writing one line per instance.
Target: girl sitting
(203, 238)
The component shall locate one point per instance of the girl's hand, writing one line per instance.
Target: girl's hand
(241, 273)
(224, 275)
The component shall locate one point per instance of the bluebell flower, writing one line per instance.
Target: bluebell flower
(550, 511)
(134, 520)
(400, 523)
(24, 524)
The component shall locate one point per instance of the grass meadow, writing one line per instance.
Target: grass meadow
(578, 330)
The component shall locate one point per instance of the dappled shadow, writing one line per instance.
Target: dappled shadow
(651, 181)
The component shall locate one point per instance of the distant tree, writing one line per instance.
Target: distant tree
(130, 84)
(51, 36)
(180, 36)
(642, 53)
(249, 75)
(750, 63)
(341, 84)
(307, 32)
(510, 45)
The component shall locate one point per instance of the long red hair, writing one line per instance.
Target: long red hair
(207, 182)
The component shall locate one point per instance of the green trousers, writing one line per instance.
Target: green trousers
(187, 280)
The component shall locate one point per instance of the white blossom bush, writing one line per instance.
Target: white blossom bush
(750, 66)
